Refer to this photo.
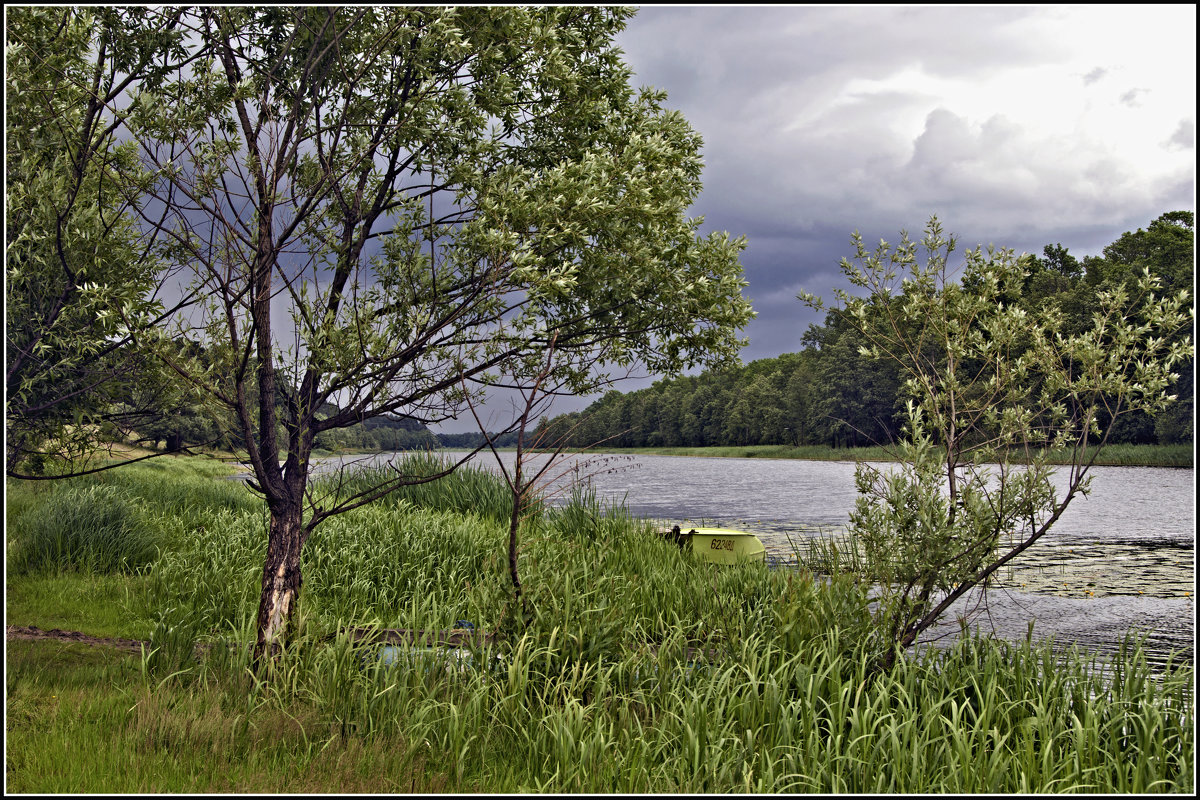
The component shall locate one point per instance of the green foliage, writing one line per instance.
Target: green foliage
(560, 218)
(469, 489)
(980, 717)
(988, 385)
(1167, 249)
(594, 574)
(182, 491)
(115, 523)
(587, 519)
(381, 437)
(86, 528)
(832, 394)
(390, 210)
(646, 672)
(172, 643)
(79, 274)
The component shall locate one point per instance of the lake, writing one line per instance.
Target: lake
(1121, 558)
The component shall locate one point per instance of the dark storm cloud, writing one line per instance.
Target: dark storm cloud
(809, 136)
(818, 122)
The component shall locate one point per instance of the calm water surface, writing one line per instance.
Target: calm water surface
(1121, 558)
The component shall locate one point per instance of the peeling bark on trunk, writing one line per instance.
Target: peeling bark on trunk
(280, 582)
(513, 524)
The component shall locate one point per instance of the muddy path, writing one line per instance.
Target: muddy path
(453, 638)
(72, 637)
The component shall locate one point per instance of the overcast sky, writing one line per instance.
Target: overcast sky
(1018, 127)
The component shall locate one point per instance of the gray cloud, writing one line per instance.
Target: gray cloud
(1130, 98)
(809, 137)
(795, 162)
(1184, 137)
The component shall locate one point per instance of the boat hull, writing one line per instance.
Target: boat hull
(724, 546)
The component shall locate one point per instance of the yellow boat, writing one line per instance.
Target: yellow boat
(720, 545)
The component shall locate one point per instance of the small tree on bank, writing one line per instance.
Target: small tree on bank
(390, 209)
(990, 388)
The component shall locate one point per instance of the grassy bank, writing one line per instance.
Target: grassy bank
(638, 670)
(1123, 455)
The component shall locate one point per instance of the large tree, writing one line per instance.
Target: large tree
(391, 209)
(1167, 249)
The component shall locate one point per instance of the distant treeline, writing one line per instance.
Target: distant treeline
(380, 433)
(830, 394)
(826, 394)
(396, 433)
(191, 424)
(401, 433)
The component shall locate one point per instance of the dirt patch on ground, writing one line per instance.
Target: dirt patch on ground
(453, 638)
(72, 637)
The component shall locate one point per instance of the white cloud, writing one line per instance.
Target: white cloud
(1016, 116)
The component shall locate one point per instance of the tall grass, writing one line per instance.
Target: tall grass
(640, 670)
(1136, 455)
(183, 490)
(96, 529)
(117, 521)
(470, 489)
(805, 452)
(643, 671)
(981, 717)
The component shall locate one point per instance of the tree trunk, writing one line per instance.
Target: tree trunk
(280, 582)
(513, 524)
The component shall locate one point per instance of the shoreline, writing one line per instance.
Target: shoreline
(1150, 455)
(1176, 456)
(1146, 455)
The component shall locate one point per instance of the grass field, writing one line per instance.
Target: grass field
(638, 671)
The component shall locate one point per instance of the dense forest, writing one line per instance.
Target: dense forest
(830, 394)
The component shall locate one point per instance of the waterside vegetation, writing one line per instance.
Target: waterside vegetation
(492, 204)
(641, 671)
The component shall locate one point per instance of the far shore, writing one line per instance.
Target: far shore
(1124, 455)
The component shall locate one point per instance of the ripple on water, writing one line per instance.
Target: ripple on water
(1089, 595)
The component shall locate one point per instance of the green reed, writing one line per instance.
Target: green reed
(636, 670)
(93, 529)
(643, 671)
(470, 489)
